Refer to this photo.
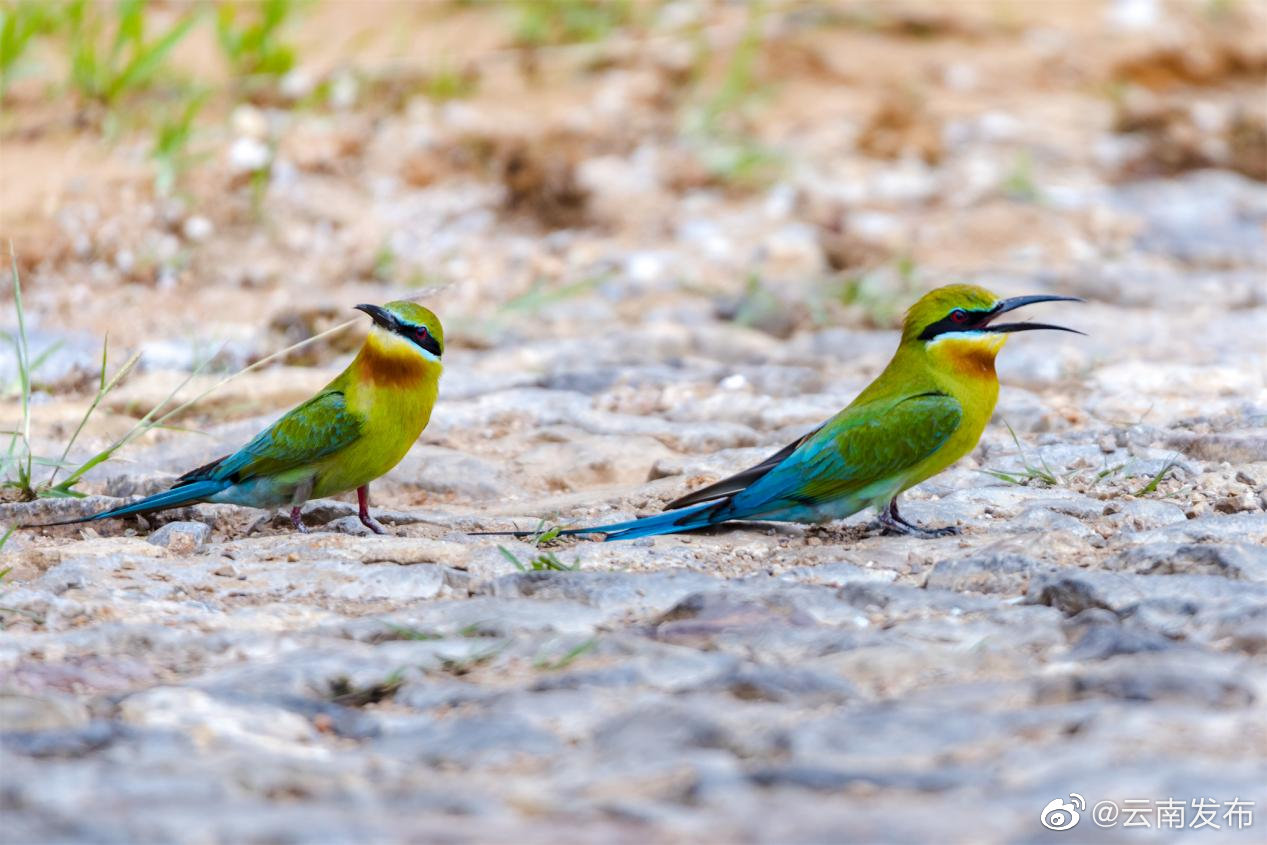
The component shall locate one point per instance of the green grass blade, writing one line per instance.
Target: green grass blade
(1155, 481)
(152, 419)
(406, 633)
(131, 28)
(60, 492)
(1108, 471)
(102, 391)
(1003, 476)
(568, 657)
(23, 354)
(510, 556)
(150, 57)
(1046, 474)
(549, 560)
(105, 360)
(265, 361)
(43, 357)
(39, 460)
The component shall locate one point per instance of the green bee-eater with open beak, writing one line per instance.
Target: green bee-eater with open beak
(923, 413)
(355, 429)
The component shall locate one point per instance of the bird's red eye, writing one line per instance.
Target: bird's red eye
(423, 338)
(959, 315)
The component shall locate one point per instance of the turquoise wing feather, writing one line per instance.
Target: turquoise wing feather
(740, 480)
(316, 429)
(860, 446)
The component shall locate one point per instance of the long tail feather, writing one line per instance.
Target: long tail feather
(671, 522)
(184, 495)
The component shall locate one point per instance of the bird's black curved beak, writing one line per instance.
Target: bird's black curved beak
(1015, 302)
(380, 316)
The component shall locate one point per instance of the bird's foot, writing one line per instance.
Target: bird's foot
(297, 521)
(363, 510)
(891, 523)
(372, 524)
(942, 531)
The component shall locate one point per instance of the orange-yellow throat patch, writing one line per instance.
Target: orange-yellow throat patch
(967, 354)
(388, 360)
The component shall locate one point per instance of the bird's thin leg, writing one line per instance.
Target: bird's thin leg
(889, 523)
(363, 500)
(897, 517)
(297, 499)
(893, 523)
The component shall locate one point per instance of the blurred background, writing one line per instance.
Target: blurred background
(244, 171)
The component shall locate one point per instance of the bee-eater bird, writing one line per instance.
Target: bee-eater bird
(354, 430)
(925, 411)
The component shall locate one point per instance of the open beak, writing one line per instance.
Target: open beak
(380, 316)
(1018, 301)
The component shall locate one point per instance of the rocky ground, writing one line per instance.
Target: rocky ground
(627, 320)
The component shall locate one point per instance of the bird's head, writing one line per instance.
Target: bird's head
(410, 323)
(959, 320)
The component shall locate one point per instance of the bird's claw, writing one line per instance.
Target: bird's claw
(944, 531)
(372, 524)
(916, 531)
(891, 524)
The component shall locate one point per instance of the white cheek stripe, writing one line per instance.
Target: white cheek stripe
(392, 339)
(972, 335)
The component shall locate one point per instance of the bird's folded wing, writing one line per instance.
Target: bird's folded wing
(862, 445)
(318, 428)
(740, 480)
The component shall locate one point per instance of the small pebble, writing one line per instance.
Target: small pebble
(1232, 504)
(197, 228)
(181, 537)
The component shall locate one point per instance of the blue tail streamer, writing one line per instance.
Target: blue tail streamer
(183, 495)
(661, 523)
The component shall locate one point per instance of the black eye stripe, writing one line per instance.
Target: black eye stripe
(956, 321)
(423, 338)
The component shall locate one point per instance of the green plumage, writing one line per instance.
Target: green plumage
(925, 411)
(318, 428)
(865, 444)
(354, 430)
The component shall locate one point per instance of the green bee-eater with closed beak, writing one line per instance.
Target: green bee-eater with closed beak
(355, 429)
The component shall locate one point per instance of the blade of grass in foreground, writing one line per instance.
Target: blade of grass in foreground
(151, 421)
(24, 460)
(22, 353)
(103, 388)
(1155, 481)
